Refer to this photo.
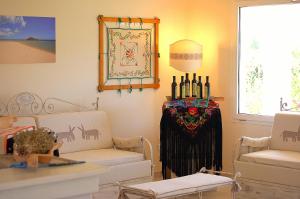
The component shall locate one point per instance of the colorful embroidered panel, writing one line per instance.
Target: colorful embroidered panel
(190, 138)
(191, 102)
(190, 119)
(129, 53)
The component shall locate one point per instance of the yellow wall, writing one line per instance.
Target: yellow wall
(214, 25)
(74, 76)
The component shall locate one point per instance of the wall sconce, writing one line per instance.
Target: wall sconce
(186, 55)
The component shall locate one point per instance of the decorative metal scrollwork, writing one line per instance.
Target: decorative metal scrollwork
(49, 105)
(23, 104)
(27, 103)
(284, 105)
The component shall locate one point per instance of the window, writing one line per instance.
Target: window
(269, 58)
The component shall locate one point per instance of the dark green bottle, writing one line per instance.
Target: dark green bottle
(182, 88)
(187, 85)
(174, 88)
(207, 88)
(199, 88)
(194, 86)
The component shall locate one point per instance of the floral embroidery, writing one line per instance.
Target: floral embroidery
(192, 111)
(129, 53)
(190, 118)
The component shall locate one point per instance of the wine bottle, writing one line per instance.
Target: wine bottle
(174, 88)
(199, 88)
(194, 86)
(182, 88)
(207, 88)
(187, 85)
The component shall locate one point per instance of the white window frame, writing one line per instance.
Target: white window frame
(242, 117)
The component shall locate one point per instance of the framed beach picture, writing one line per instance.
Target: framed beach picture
(128, 53)
(27, 40)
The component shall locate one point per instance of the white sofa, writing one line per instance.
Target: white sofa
(87, 137)
(270, 166)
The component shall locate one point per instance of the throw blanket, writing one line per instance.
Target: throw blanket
(190, 138)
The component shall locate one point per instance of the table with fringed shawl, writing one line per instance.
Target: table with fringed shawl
(190, 136)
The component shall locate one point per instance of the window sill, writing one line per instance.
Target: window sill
(254, 119)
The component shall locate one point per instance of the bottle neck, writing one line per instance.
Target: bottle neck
(187, 76)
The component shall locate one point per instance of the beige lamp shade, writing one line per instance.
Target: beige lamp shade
(186, 55)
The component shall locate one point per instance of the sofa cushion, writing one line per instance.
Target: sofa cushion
(123, 165)
(126, 172)
(107, 157)
(286, 132)
(288, 159)
(79, 130)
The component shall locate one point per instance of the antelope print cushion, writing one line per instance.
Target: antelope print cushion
(286, 132)
(79, 130)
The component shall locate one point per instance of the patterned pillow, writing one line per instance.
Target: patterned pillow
(79, 130)
(129, 144)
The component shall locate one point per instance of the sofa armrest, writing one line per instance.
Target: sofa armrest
(255, 142)
(149, 145)
(248, 145)
(135, 144)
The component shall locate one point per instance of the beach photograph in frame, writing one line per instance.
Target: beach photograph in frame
(27, 40)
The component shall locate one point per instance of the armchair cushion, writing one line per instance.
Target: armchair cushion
(286, 132)
(287, 159)
(268, 174)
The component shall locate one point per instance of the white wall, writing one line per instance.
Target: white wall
(74, 76)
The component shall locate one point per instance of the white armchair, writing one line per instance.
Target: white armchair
(270, 166)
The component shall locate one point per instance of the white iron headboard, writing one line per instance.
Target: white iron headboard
(26, 104)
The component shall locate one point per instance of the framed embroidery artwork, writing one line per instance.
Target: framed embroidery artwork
(128, 57)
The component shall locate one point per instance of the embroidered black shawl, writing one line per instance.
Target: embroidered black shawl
(190, 138)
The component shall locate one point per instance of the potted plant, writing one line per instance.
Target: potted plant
(34, 146)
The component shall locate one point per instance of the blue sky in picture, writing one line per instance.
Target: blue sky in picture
(22, 28)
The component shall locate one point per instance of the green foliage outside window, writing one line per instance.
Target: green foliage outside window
(254, 81)
(295, 83)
